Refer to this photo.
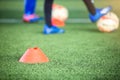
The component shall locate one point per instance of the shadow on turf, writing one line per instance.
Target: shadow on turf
(77, 29)
(107, 77)
(10, 58)
(92, 30)
(85, 29)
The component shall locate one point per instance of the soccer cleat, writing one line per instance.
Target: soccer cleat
(31, 18)
(99, 13)
(52, 30)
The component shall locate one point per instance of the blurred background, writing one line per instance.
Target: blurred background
(77, 9)
(82, 53)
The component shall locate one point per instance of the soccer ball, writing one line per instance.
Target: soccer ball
(59, 12)
(108, 22)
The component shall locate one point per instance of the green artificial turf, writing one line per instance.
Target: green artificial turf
(81, 53)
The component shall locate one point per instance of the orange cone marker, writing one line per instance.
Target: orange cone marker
(57, 22)
(34, 55)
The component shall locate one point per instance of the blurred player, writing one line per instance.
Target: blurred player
(48, 27)
(29, 11)
(94, 15)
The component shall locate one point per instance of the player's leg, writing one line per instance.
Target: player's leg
(48, 27)
(95, 13)
(30, 6)
(29, 11)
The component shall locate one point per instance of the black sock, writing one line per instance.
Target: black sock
(90, 6)
(48, 11)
